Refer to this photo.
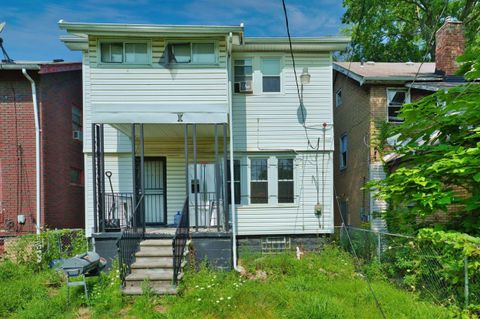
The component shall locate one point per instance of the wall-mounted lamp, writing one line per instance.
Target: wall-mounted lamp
(305, 76)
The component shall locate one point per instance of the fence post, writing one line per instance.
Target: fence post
(379, 246)
(466, 288)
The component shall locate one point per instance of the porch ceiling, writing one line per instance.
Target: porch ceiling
(169, 131)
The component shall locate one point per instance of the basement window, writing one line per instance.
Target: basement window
(259, 181)
(395, 99)
(272, 245)
(124, 52)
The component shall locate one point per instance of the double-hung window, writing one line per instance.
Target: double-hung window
(395, 99)
(124, 52)
(236, 182)
(259, 181)
(243, 76)
(271, 69)
(285, 180)
(192, 53)
(343, 151)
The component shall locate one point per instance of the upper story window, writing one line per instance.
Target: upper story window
(343, 151)
(285, 180)
(395, 99)
(338, 98)
(271, 69)
(243, 71)
(77, 123)
(124, 52)
(195, 53)
(259, 181)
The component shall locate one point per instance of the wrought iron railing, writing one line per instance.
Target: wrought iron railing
(180, 241)
(118, 211)
(130, 239)
(210, 211)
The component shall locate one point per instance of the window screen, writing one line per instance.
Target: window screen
(271, 75)
(136, 53)
(112, 52)
(203, 53)
(259, 181)
(285, 181)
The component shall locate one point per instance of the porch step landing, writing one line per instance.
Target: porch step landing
(153, 264)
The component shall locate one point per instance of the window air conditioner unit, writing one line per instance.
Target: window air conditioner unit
(77, 135)
(245, 86)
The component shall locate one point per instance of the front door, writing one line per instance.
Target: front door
(155, 194)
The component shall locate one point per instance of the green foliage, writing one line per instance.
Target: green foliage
(439, 147)
(399, 31)
(37, 252)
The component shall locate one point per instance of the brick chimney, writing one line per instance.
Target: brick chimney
(450, 43)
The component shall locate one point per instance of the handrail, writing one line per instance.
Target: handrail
(180, 241)
(129, 241)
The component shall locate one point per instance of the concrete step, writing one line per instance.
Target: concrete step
(156, 242)
(155, 251)
(137, 290)
(153, 262)
(150, 274)
(156, 284)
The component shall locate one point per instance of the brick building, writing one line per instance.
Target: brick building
(366, 95)
(59, 98)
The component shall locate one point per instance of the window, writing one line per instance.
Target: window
(396, 98)
(285, 180)
(196, 53)
(271, 75)
(76, 123)
(76, 176)
(272, 245)
(338, 98)
(259, 181)
(243, 76)
(343, 151)
(236, 178)
(344, 212)
(124, 52)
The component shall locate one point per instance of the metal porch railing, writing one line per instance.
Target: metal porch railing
(180, 241)
(118, 211)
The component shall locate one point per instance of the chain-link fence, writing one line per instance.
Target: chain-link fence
(441, 271)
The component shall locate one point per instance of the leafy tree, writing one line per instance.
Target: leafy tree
(403, 30)
(439, 150)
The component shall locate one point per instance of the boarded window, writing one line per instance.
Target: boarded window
(285, 181)
(343, 151)
(259, 181)
(396, 99)
(271, 75)
(243, 76)
(236, 185)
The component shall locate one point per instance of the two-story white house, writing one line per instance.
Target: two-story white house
(200, 132)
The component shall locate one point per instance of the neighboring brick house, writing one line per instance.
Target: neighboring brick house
(59, 97)
(369, 94)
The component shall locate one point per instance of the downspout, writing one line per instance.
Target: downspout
(37, 146)
(232, 175)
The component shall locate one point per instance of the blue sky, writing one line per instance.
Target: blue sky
(32, 32)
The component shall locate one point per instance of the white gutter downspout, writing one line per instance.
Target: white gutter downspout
(232, 185)
(37, 147)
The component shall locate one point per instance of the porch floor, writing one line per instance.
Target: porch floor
(169, 232)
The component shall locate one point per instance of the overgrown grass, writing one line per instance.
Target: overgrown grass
(322, 285)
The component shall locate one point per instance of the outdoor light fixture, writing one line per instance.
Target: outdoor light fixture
(305, 76)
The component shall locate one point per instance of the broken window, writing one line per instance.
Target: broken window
(396, 98)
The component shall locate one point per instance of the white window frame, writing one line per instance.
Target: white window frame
(280, 75)
(104, 41)
(407, 100)
(342, 165)
(191, 63)
(338, 98)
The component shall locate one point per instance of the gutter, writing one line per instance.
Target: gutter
(37, 147)
(232, 173)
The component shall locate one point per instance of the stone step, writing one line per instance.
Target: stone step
(150, 274)
(137, 290)
(155, 251)
(156, 242)
(153, 262)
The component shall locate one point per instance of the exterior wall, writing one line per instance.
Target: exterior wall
(353, 118)
(61, 202)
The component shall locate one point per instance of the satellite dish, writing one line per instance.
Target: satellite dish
(2, 25)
